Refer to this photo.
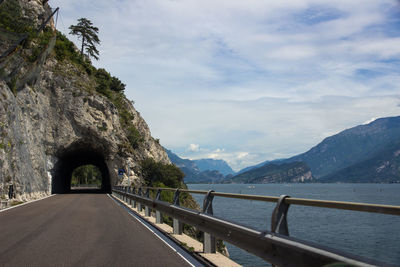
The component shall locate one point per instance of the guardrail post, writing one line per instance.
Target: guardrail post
(209, 244)
(125, 195)
(140, 206)
(279, 217)
(133, 200)
(118, 193)
(159, 217)
(177, 225)
(129, 197)
(147, 210)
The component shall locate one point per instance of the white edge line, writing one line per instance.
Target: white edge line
(156, 235)
(26, 203)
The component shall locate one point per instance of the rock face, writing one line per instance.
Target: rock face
(52, 120)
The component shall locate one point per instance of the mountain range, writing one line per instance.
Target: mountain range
(201, 171)
(365, 153)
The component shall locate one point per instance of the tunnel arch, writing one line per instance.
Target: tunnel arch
(74, 157)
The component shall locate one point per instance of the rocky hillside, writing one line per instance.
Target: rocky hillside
(381, 167)
(350, 146)
(57, 109)
(275, 173)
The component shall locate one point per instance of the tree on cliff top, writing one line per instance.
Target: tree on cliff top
(88, 34)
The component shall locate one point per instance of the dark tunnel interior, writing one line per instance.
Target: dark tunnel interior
(73, 159)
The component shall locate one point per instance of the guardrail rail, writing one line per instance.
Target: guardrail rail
(275, 246)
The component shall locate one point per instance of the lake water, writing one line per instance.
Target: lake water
(375, 236)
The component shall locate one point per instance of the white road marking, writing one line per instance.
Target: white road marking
(156, 234)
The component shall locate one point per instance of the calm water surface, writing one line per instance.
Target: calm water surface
(374, 236)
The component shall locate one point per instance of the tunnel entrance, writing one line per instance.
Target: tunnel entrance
(72, 160)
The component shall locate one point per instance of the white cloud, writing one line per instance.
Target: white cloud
(193, 147)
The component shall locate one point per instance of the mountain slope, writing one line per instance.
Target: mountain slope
(192, 172)
(275, 173)
(350, 146)
(382, 167)
(214, 165)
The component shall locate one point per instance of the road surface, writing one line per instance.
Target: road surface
(79, 230)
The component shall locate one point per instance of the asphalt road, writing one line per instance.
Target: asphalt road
(79, 230)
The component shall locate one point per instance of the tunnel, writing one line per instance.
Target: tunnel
(73, 158)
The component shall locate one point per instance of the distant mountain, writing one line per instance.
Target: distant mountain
(277, 161)
(193, 174)
(253, 167)
(382, 167)
(365, 153)
(350, 146)
(214, 165)
(275, 173)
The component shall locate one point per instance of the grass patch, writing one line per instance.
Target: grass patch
(15, 203)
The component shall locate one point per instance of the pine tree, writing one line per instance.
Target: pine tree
(88, 34)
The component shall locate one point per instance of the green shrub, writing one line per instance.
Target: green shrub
(116, 85)
(134, 136)
(11, 18)
(156, 172)
(42, 41)
(64, 48)
(103, 79)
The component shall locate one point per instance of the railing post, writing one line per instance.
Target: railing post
(125, 195)
(159, 217)
(177, 225)
(133, 200)
(129, 197)
(140, 206)
(279, 217)
(147, 210)
(209, 244)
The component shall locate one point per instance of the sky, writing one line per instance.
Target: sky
(248, 81)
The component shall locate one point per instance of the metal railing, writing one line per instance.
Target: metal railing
(274, 246)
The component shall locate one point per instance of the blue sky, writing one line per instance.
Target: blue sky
(249, 81)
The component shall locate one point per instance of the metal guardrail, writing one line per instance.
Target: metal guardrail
(274, 246)
(366, 207)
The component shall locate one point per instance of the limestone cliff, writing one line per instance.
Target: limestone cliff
(52, 118)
